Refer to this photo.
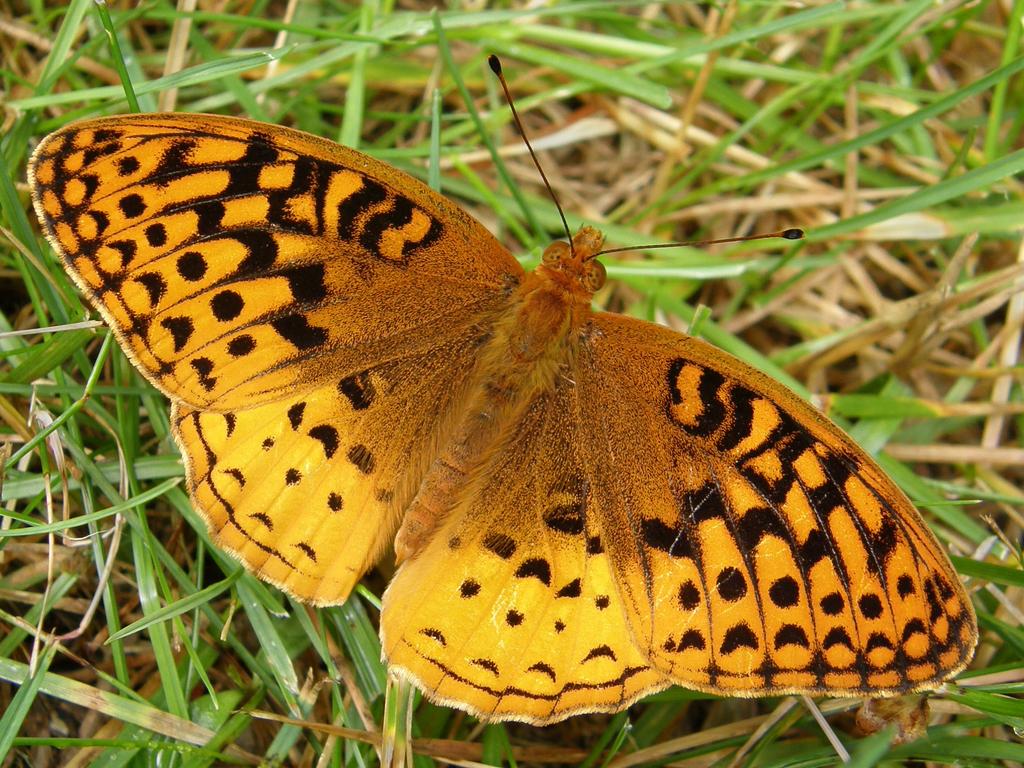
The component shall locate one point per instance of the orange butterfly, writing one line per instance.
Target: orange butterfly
(588, 507)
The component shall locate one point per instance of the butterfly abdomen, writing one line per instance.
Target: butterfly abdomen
(533, 343)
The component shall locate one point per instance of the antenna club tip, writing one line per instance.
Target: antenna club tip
(494, 63)
(793, 234)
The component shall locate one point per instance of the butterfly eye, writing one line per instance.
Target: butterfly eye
(593, 275)
(556, 252)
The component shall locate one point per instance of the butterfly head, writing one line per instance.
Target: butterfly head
(577, 262)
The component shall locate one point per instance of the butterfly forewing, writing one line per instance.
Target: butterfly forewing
(238, 261)
(775, 554)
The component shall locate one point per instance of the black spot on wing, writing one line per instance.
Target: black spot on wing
(306, 283)
(784, 592)
(742, 420)
(692, 638)
(791, 634)
(731, 583)
(181, 330)
(500, 544)
(814, 548)
(914, 627)
(487, 664)
(242, 345)
(126, 166)
(435, 634)
(543, 668)
(756, 524)
(295, 413)
(599, 652)
(359, 390)
(565, 518)
(870, 606)
(832, 604)
(705, 503)
(327, 436)
(689, 595)
(156, 235)
(132, 206)
(191, 266)
(837, 636)
(362, 458)
(155, 285)
(261, 252)
(672, 541)
(352, 207)
(296, 330)
(210, 216)
(203, 366)
(572, 589)
(878, 640)
(905, 586)
(396, 217)
(739, 636)
(537, 568)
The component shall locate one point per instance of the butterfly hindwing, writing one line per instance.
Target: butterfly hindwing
(511, 609)
(238, 261)
(308, 491)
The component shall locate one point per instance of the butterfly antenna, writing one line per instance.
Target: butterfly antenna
(495, 65)
(786, 234)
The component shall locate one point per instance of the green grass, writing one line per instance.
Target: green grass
(891, 132)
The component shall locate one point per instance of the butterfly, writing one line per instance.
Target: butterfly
(586, 508)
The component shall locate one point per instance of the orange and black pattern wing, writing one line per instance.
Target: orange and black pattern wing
(774, 555)
(237, 261)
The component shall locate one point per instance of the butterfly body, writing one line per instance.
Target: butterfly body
(588, 507)
(530, 349)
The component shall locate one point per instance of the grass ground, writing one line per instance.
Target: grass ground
(891, 132)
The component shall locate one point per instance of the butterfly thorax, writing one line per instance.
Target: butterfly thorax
(531, 350)
(552, 305)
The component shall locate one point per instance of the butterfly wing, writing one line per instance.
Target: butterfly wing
(308, 491)
(776, 555)
(511, 608)
(712, 529)
(237, 261)
(312, 314)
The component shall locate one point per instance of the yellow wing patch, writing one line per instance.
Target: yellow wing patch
(308, 491)
(512, 610)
